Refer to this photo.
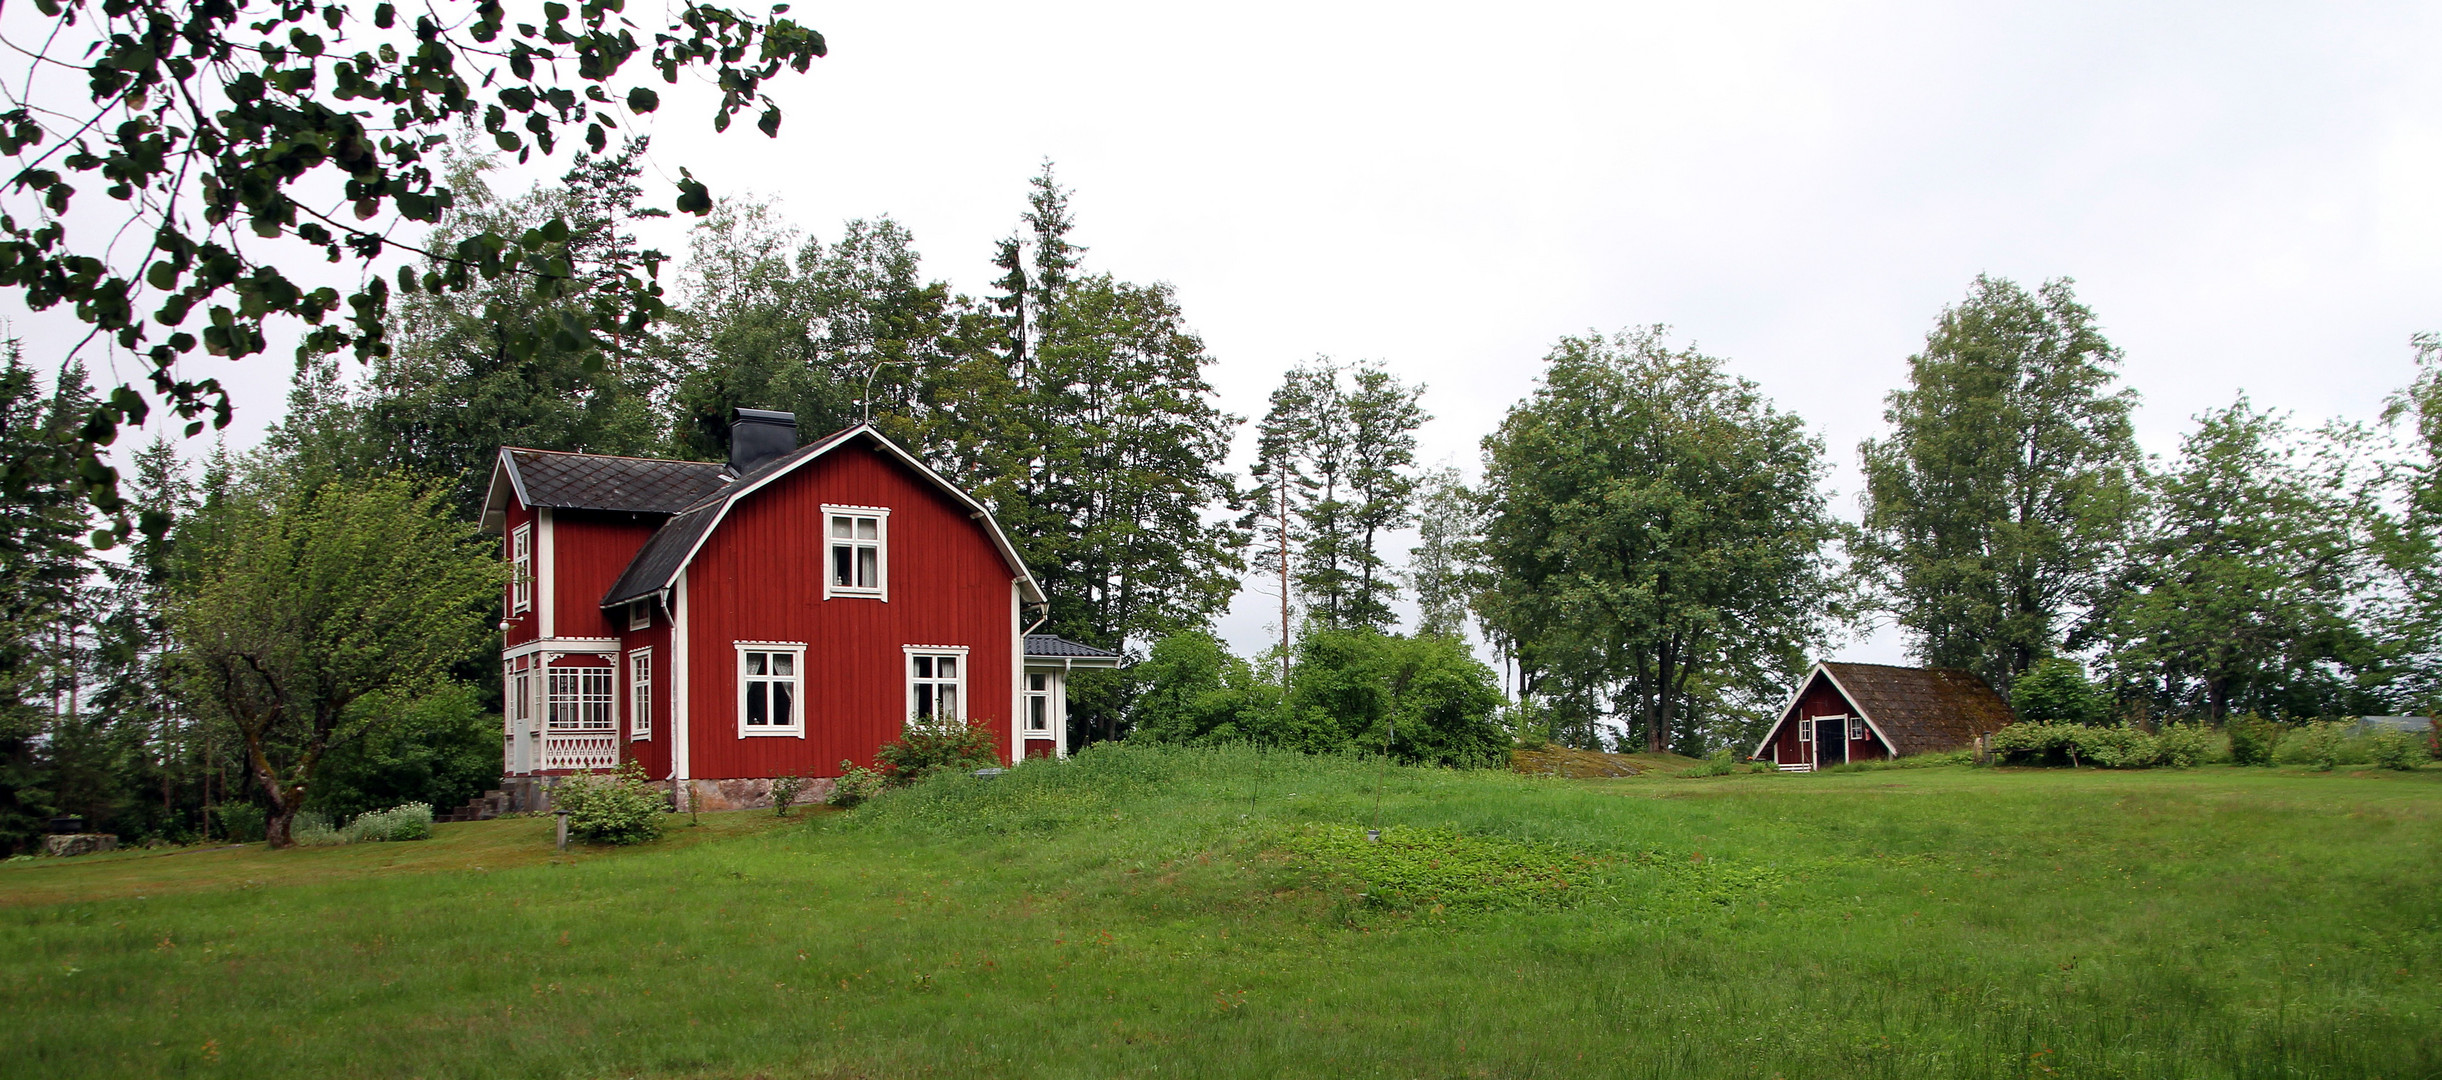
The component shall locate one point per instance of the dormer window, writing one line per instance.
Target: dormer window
(859, 539)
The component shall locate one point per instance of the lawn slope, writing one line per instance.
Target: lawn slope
(1220, 913)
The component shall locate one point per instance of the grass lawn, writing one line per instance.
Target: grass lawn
(1220, 913)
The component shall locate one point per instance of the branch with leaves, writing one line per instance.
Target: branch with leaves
(223, 128)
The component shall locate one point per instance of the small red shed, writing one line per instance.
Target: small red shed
(726, 624)
(1862, 712)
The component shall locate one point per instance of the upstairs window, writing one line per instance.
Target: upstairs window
(521, 555)
(1856, 729)
(859, 538)
(770, 683)
(936, 684)
(640, 615)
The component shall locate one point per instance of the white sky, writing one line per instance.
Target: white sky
(2246, 193)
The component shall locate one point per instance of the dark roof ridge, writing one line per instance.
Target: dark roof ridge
(615, 457)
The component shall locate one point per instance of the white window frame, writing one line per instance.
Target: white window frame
(796, 651)
(521, 558)
(880, 543)
(640, 694)
(1856, 729)
(1038, 703)
(640, 615)
(936, 652)
(1806, 729)
(587, 703)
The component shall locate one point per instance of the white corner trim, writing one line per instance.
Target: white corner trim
(1017, 676)
(679, 762)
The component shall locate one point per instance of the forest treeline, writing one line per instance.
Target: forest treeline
(1649, 551)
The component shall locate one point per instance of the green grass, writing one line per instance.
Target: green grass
(1219, 913)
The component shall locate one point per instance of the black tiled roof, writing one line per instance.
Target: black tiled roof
(1050, 645)
(602, 482)
(662, 556)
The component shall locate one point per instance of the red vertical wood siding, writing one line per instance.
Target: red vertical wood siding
(591, 549)
(653, 753)
(759, 577)
(1821, 699)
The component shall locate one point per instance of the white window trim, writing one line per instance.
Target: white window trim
(1856, 729)
(521, 569)
(908, 669)
(881, 542)
(640, 615)
(640, 698)
(1806, 729)
(768, 731)
(1051, 715)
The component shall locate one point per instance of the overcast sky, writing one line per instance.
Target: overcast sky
(2246, 194)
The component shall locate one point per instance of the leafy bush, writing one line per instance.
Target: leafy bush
(2252, 739)
(411, 821)
(1428, 697)
(620, 807)
(855, 785)
(2181, 746)
(2398, 750)
(784, 793)
(1194, 691)
(240, 822)
(2119, 747)
(2317, 744)
(440, 749)
(938, 746)
(1720, 762)
(2056, 691)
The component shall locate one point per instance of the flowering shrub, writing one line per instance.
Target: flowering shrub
(620, 807)
(856, 784)
(784, 794)
(941, 746)
(411, 821)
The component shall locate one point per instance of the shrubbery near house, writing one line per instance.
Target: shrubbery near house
(856, 784)
(939, 746)
(620, 807)
(784, 794)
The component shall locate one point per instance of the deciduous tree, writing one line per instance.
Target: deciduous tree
(315, 598)
(1657, 535)
(2003, 495)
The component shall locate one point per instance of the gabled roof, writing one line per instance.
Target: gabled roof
(1052, 645)
(597, 482)
(1914, 710)
(657, 565)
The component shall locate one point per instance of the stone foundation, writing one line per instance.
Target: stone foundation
(747, 794)
(68, 844)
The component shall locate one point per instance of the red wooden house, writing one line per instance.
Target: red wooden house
(1863, 712)
(726, 624)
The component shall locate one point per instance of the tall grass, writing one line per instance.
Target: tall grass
(1151, 912)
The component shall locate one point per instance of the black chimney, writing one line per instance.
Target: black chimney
(759, 435)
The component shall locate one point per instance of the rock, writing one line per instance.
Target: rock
(66, 844)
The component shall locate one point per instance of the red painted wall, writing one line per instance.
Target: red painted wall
(594, 548)
(1821, 699)
(653, 752)
(759, 578)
